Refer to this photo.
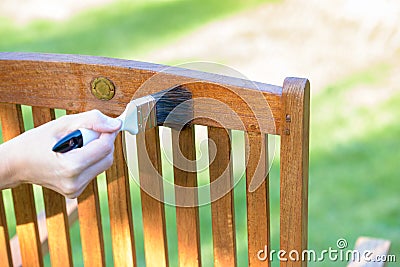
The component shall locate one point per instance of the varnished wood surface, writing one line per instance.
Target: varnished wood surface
(187, 211)
(223, 219)
(257, 196)
(119, 203)
(5, 251)
(151, 192)
(90, 226)
(64, 81)
(59, 242)
(24, 203)
(294, 168)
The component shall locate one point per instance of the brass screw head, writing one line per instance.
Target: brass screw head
(103, 88)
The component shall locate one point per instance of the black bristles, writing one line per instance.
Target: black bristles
(174, 107)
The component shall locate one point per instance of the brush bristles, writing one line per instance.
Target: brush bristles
(174, 107)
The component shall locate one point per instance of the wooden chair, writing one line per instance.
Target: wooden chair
(47, 82)
(377, 251)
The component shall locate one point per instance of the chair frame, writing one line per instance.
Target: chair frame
(48, 81)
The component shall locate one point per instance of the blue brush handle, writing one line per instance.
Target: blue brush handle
(76, 139)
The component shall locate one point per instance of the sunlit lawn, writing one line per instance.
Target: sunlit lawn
(122, 29)
(354, 149)
(354, 163)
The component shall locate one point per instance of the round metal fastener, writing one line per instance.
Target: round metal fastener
(103, 88)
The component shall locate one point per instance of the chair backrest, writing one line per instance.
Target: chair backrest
(75, 83)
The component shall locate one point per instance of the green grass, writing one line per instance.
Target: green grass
(354, 149)
(121, 29)
(354, 164)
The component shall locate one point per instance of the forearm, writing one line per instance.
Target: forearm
(8, 174)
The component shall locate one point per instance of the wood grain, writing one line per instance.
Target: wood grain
(151, 192)
(187, 212)
(56, 211)
(24, 203)
(5, 252)
(63, 81)
(119, 203)
(223, 224)
(90, 226)
(294, 167)
(257, 196)
(90, 222)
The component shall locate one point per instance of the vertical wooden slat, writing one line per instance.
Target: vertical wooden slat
(56, 211)
(27, 226)
(294, 167)
(5, 252)
(149, 159)
(24, 203)
(58, 228)
(119, 201)
(257, 195)
(90, 224)
(187, 216)
(222, 209)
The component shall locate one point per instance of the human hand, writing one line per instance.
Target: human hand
(30, 159)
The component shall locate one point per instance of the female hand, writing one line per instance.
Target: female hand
(29, 158)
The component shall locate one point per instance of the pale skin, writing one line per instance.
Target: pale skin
(28, 158)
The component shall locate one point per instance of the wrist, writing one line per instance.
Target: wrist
(8, 166)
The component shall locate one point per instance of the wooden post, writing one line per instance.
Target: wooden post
(294, 169)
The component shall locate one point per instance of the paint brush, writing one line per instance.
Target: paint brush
(172, 107)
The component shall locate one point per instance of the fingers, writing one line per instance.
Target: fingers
(78, 186)
(94, 151)
(67, 173)
(86, 177)
(94, 120)
(94, 158)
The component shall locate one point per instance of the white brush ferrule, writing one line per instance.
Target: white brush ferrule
(139, 115)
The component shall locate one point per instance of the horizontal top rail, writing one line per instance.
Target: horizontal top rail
(65, 82)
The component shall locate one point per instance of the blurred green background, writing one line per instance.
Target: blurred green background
(355, 101)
